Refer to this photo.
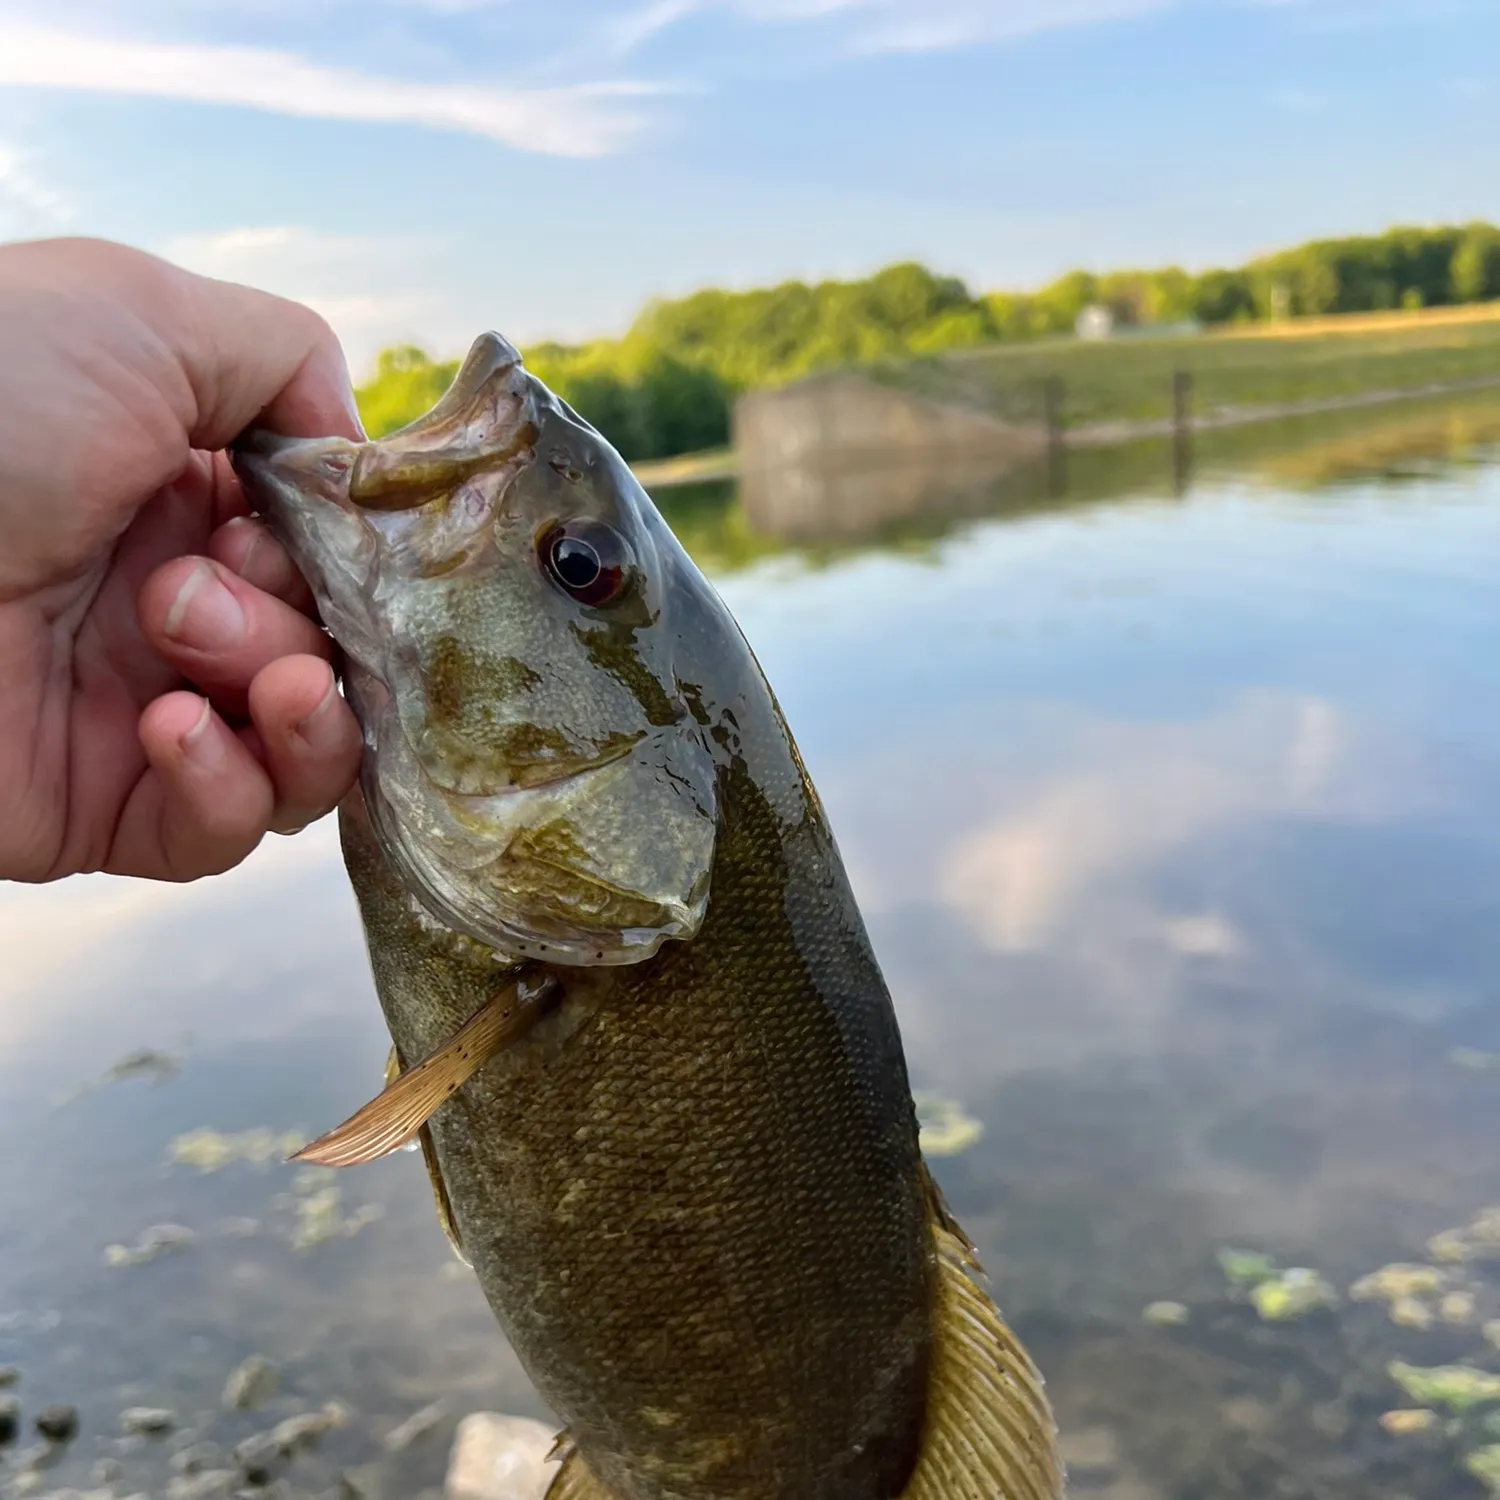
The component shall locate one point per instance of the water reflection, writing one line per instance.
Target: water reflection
(1176, 828)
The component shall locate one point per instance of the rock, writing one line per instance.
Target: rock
(58, 1424)
(1091, 1455)
(1458, 1309)
(105, 1472)
(1406, 1421)
(288, 1437)
(160, 1239)
(1166, 1314)
(10, 1418)
(148, 1421)
(500, 1458)
(208, 1485)
(416, 1426)
(195, 1458)
(1291, 1294)
(252, 1384)
(9, 1376)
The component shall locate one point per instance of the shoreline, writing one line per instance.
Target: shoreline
(724, 464)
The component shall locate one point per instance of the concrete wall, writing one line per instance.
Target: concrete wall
(847, 419)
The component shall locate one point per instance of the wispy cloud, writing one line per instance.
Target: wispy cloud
(375, 290)
(872, 26)
(27, 203)
(578, 120)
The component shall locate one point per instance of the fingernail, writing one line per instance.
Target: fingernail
(201, 744)
(205, 611)
(244, 523)
(321, 729)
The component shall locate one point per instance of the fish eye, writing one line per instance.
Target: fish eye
(586, 559)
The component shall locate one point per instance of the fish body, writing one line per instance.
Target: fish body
(688, 1178)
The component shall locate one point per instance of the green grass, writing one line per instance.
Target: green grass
(1130, 379)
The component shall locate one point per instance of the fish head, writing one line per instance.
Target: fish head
(515, 616)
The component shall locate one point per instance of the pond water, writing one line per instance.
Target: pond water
(1173, 805)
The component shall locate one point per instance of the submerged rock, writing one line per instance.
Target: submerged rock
(159, 1240)
(1246, 1268)
(147, 1421)
(416, 1426)
(58, 1424)
(210, 1150)
(208, 1485)
(1166, 1314)
(1459, 1388)
(1291, 1294)
(1391, 1283)
(1410, 1420)
(9, 1376)
(253, 1383)
(1484, 1465)
(10, 1418)
(500, 1458)
(946, 1130)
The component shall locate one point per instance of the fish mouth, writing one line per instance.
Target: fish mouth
(486, 420)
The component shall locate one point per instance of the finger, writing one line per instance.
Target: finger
(220, 631)
(204, 804)
(247, 548)
(251, 357)
(309, 738)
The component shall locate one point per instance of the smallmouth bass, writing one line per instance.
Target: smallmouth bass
(637, 1022)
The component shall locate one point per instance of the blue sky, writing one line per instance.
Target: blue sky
(422, 169)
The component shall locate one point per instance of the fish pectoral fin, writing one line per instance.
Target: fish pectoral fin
(446, 1221)
(989, 1431)
(388, 1122)
(575, 1481)
(445, 1218)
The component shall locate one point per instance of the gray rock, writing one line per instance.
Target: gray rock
(416, 1426)
(289, 1437)
(500, 1458)
(209, 1485)
(195, 1458)
(58, 1424)
(9, 1375)
(105, 1472)
(149, 1421)
(252, 1384)
(10, 1418)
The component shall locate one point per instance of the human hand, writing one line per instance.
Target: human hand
(129, 569)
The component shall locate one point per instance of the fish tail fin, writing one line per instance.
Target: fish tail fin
(989, 1432)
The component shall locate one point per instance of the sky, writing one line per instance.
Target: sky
(420, 170)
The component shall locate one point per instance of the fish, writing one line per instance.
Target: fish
(638, 1026)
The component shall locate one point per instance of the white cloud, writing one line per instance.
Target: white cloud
(1020, 878)
(940, 25)
(27, 204)
(898, 26)
(376, 290)
(577, 120)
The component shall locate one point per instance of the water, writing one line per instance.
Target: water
(1176, 821)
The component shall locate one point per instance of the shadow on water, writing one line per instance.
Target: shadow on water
(1171, 796)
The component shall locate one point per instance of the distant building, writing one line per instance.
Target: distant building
(1095, 322)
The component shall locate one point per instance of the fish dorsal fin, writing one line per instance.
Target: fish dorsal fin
(575, 1481)
(388, 1122)
(989, 1432)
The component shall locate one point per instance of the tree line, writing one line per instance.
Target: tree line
(669, 384)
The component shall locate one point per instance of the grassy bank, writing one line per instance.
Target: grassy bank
(1129, 380)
